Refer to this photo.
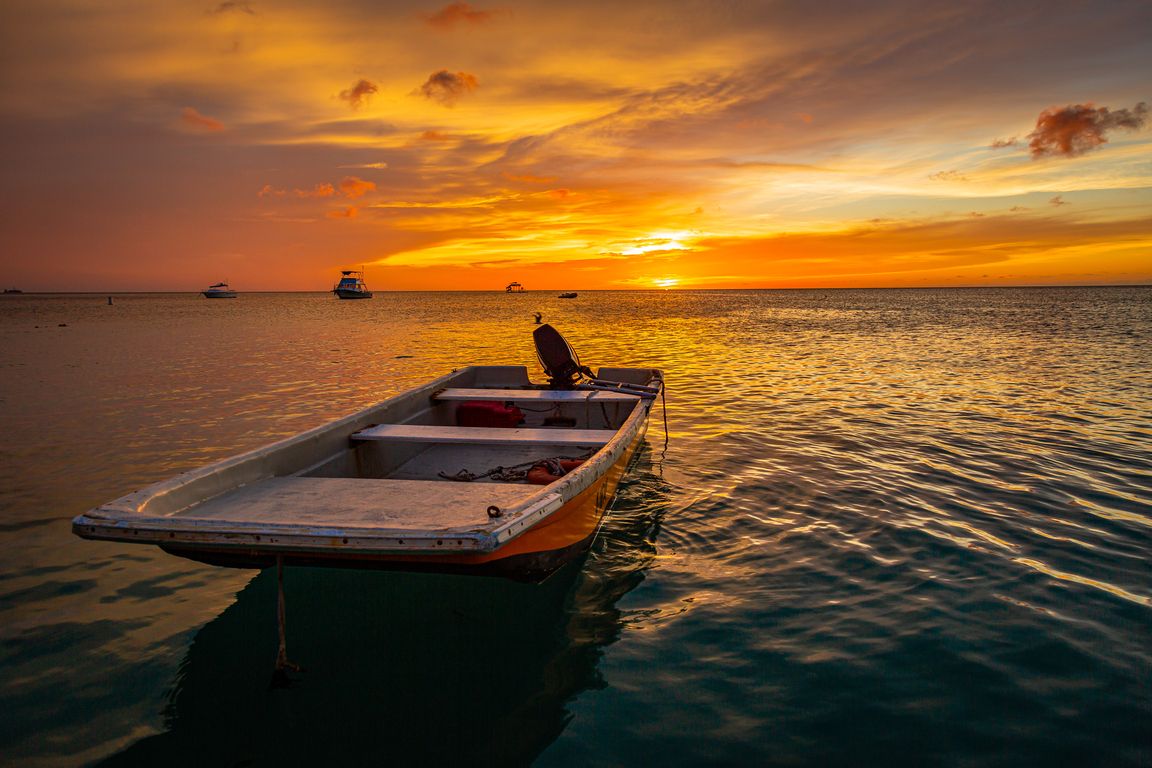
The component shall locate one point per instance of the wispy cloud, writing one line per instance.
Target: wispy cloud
(458, 13)
(372, 166)
(447, 87)
(1079, 128)
(191, 117)
(234, 6)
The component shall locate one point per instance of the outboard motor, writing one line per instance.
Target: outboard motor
(564, 371)
(559, 360)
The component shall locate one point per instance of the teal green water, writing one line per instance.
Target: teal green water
(906, 527)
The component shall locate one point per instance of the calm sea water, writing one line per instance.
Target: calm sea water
(907, 527)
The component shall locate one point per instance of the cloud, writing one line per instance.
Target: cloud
(435, 136)
(320, 190)
(947, 176)
(453, 13)
(233, 6)
(1002, 143)
(352, 186)
(528, 178)
(358, 94)
(350, 212)
(1058, 200)
(1078, 128)
(446, 87)
(373, 166)
(191, 117)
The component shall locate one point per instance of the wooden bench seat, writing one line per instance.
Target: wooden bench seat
(536, 395)
(422, 433)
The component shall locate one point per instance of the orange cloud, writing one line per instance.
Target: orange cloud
(454, 13)
(447, 87)
(320, 190)
(435, 136)
(350, 212)
(1079, 128)
(528, 178)
(352, 186)
(191, 117)
(358, 94)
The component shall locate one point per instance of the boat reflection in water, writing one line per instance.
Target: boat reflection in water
(406, 668)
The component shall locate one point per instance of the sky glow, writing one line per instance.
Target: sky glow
(687, 144)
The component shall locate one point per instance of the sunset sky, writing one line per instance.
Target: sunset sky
(583, 145)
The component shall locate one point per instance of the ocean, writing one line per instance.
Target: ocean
(883, 527)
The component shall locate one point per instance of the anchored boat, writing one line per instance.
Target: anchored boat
(219, 291)
(351, 285)
(479, 471)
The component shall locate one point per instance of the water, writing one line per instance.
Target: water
(909, 527)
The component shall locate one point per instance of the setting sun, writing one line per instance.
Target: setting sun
(473, 145)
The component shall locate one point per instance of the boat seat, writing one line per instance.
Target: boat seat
(423, 433)
(536, 395)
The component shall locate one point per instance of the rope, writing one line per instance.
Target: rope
(515, 473)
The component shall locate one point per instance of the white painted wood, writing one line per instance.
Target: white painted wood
(422, 433)
(536, 395)
(411, 505)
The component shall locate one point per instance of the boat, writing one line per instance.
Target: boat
(568, 295)
(513, 288)
(480, 471)
(13, 290)
(219, 291)
(351, 285)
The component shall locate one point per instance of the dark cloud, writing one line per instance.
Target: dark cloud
(446, 87)
(359, 93)
(1079, 128)
(234, 6)
(454, 13)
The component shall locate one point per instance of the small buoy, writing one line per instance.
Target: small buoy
(545, 472)
(109, 301)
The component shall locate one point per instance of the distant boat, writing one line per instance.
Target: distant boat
(514, 288)
(351, 285)
(13, 290)
(219, 291)
(568, 295)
